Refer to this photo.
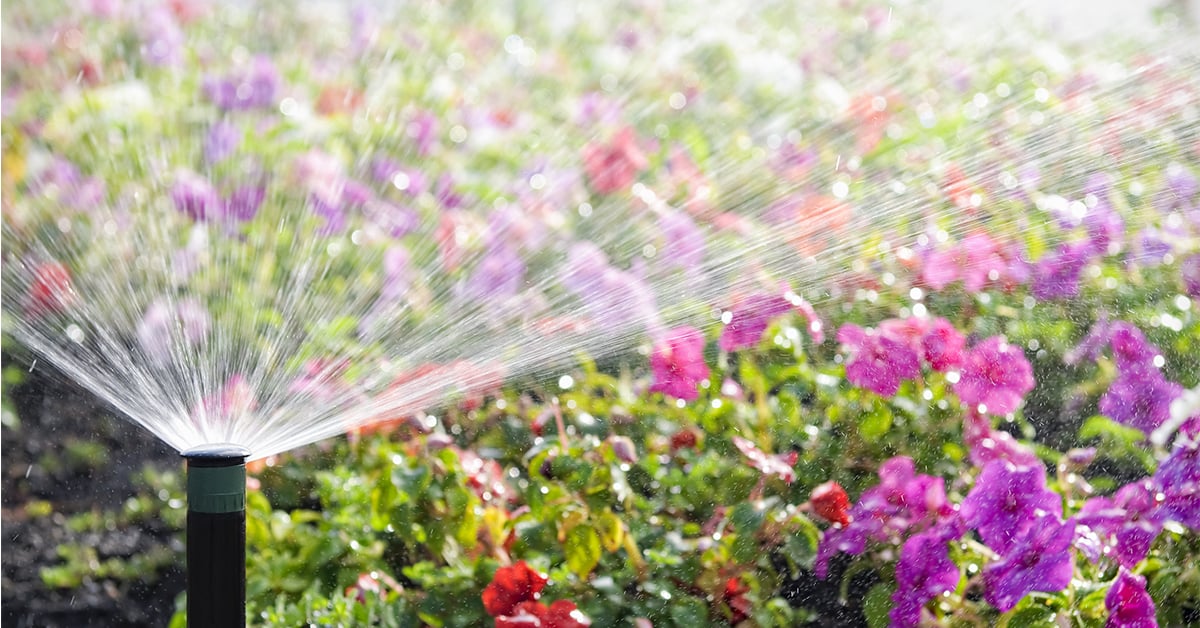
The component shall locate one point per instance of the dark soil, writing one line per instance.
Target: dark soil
(70, 452)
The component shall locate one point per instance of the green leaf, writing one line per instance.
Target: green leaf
(582, 549)
(876, 424)
(877, 605)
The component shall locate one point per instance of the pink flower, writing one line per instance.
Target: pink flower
(995, 375)
(678, 363)
(878, 361)
(779, 464)
(613, 167)
(942, 346)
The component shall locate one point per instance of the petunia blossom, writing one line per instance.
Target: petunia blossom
(942, 346)
(902, 503)
(678, 363)
(877, 361)
(924, 572)
(1178, 479)
(995, 375)
(1129, 604)
(1127, 523)
(1057, 275)
(1140, 397)
(1038, 561)
(749, 318)
(1006, 501)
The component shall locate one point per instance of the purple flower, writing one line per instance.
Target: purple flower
(397, 272)
(877, 362)
(498, 275)
(902, 503)
(1180, 182)
(165, 323)
(1128, 603)
(333, 215)
(408, 180)
(162, 39)
(1105, 227)
(1178, 479)
(683, 242)
(1005, 501)
(1057, 276)
(678, 363)
(445, 193)
(615, 297)
(942, 346)
(257, 88)
(244, 202)
(1150, 248)
(196, 197)
(423, 131)
(750, 318)
(1098, 184)
(1189, 269)
(924, 572)
(222, 140)
(1038, 561)
(1140, 397)
(395, 220)
(1088, 349)
(994, 375)
(1127, 524)
(1130, 347)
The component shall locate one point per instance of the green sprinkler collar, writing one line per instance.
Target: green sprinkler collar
(216, 480)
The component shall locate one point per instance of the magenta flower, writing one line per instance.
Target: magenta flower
(987, 444)
(903, 502)
(1129, 604)
(1038, 561)
(877, 362)
(1141, 398)
(1127, 524)
(996, 376)
(751, 316)
(924, 572)
(779, 464)
(942, 346)
(1130, 347)
(678, 363)
(615, 166)
(1005, 502)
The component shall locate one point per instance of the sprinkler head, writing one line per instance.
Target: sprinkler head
(216, 478)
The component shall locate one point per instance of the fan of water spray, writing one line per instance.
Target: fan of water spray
(268, 240)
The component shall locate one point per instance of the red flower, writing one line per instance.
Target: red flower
(50, 292)
(561, 614)
(367, 584)
(510, 586)
(831, 502)
(613, 167)
(684, 439)
(735, 596)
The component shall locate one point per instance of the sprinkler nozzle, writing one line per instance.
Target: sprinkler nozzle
(216, 535)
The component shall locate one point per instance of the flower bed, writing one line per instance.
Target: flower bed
(632, 318)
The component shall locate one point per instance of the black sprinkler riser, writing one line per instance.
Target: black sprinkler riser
(216, 536)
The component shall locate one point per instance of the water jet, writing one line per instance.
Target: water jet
(216, 535)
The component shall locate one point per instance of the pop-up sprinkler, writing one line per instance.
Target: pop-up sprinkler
(216, 536)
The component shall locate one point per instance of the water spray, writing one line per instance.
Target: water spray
(216, 535)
